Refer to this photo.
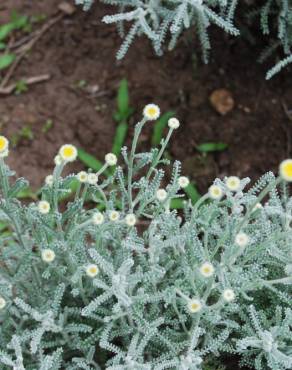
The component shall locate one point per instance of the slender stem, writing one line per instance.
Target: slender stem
(138, 129)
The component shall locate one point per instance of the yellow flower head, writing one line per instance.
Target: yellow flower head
(97, 218)
(151, 112)
(228, 295)
(68, 152)
(82, 176)
(44, 207)
(215, 192)
(207, 269)
(114, 215)
(131, 219)
(4, 143)
(48, 255)
(286, 170)
(233, 183)
(92, 270)
(194, 305)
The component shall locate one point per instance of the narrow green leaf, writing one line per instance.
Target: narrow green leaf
(211, 147)
(192, 191)
(2, 45)
(89, 160)
(6, 60)
(123, 97)
(119, 139)
(5, 30)
(176, 203)
(159, 127)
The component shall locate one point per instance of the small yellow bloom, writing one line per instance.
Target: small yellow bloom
(183, 182)
(114, 215)
(68, 152)
(111, 159)
(161, 195)
(4, 143)
(215, 192)
(82, 176)
(44, 207)
(92, 270)
(48, 255)
(97, 218)
(286, 170)
(194, 305)
(207, 269)
(151, 112)
(92, 179)
(228, 295)
(130, 219)
(233, 183)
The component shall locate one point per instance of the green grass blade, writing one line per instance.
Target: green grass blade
(192, 191)
(89, 160)
(123, 97)
(211, 147)
(120, 137)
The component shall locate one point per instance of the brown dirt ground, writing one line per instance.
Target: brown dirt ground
(80, 47)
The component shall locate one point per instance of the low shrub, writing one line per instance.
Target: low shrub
(167, 20)
(114, 279)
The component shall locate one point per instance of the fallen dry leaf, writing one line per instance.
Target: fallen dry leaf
(222, 101)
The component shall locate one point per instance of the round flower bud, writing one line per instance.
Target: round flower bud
(285, 170)
(233, 183)
(151, 112)
(68, 152)
(173, 123)
(82, 176)
(97, 218)
(58, 160)
(228, 295)
(194, 305)
(161, 195)
(2, 303)
(111, 159)
(183, 181)
(48, 255)
(92, 270)
(92, 179)
(130, 219)
(207, 269)
(4, 144)
(114, 215)
(44, 207)
(215, 192)
(49, 180)
(242, 239)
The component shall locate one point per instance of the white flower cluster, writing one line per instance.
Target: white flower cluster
(114, 268)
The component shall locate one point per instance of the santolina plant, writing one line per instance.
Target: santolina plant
(114, 279)
(169, 19)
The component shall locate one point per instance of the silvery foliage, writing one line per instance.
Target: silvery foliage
(167, 20)
(134, 314)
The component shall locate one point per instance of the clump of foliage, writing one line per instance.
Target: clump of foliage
(167, 20)
(138, 285)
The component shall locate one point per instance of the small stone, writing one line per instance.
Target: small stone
(222, 101)
(66, 8)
